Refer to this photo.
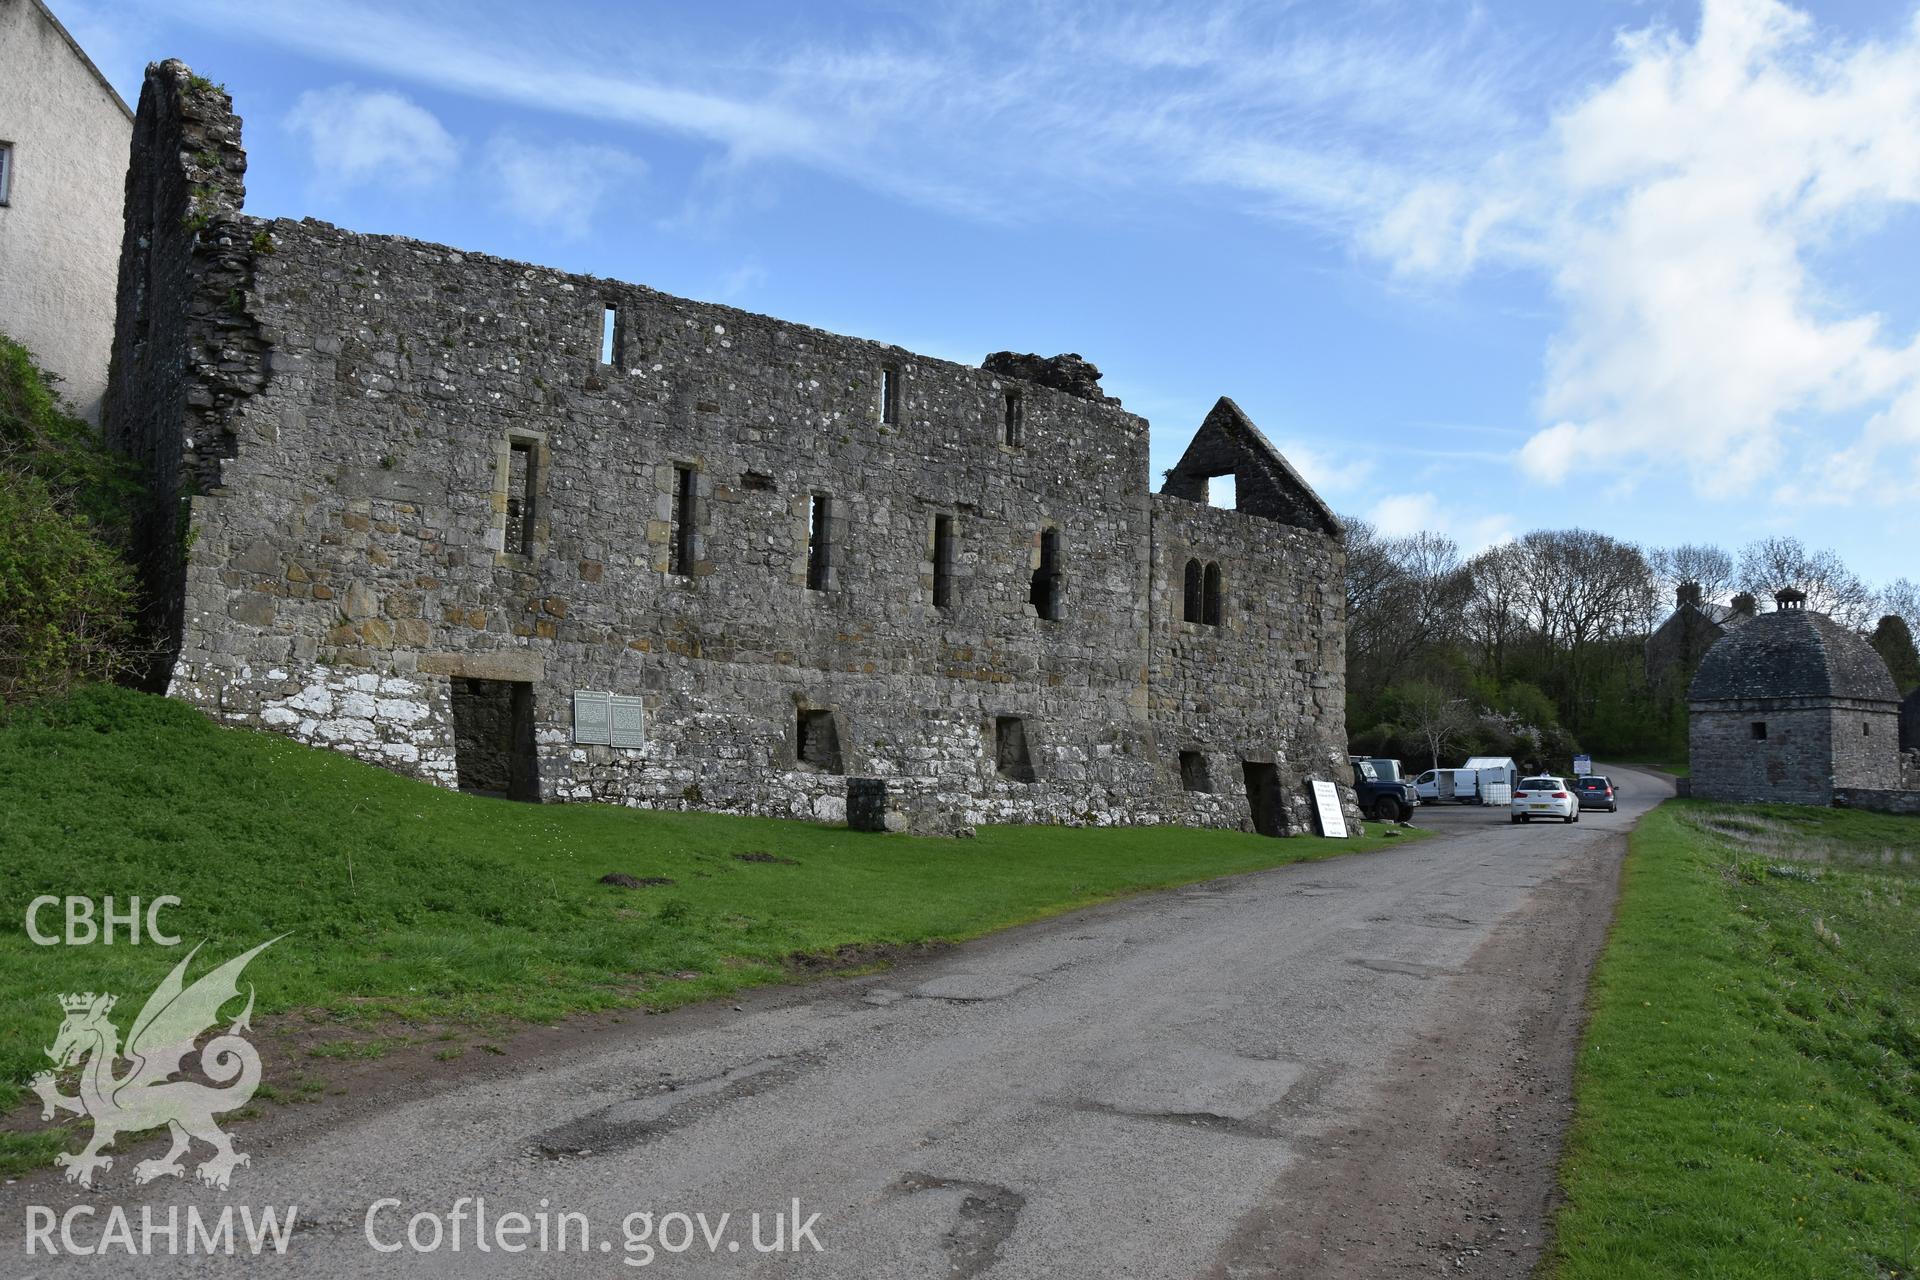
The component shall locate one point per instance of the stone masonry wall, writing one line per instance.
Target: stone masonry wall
(1268, 684)
(358, 541)
(1811, 747)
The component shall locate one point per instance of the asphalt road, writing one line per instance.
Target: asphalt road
(1354, 1067)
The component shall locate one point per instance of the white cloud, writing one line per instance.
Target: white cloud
(557, 185)
(1331, 473)
(1677, 209)
(748, 275)
(1401, 514)
(359, 135)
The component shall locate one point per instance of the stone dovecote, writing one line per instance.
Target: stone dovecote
(1792, 707)
(423, 506)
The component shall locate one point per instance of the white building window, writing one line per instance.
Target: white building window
(6, 171)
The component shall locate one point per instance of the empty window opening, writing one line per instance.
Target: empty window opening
(819, 541)
(756, 480)
(1192, 605)
(6, 172)
(1759, 730)
(686, 497)
(1013, 421)
(520, 483)
(493, 747)
(1263, 797)
(610, 335)
(1010, 756)
(1866, 729)
(1044, 594)
(942, 562)
(1223, 492)
(1193, 771)
(889, 395)
(816, 742)
(1210, 596)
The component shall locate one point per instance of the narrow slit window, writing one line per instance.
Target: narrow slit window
(942, 562)
(1191, 606)
(6, 172)
(819, 541)
(610, 335)
(1011, 758)
(1210, 596)
(889, 395)
(1044, 594)
(1012, 423)
(686, 499)
(520, 487)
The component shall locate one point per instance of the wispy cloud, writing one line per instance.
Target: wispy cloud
(358, 136)
(556, 185)
(992, 109)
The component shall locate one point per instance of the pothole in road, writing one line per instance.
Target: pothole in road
(970, 988)
(987, 1216)
(1406, 967)
(667, 1106)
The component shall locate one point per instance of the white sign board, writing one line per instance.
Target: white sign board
(1326, 800)
(1583, 764)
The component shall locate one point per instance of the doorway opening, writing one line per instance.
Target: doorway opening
(493, 749)
(1263, 798)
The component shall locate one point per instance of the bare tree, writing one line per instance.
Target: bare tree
(1709, 566)
(1404, 599)
(1436, 714)
(1770, 565)
(1902, 598)
(1581, 589)
(1494, 618)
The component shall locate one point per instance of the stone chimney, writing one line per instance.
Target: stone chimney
(1688, 593)
(1745, 603)
(1790, 598)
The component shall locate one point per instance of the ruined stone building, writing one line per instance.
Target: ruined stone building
(63, 158)
(1795, 708)
(561, 537)
(1696, 624)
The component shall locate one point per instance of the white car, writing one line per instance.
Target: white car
(1545, 798)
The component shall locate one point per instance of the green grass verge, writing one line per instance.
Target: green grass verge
(411, 905)
(1746, 1096)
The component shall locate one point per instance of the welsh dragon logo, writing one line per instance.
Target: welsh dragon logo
(145, 1096)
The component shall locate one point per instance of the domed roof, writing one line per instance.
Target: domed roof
(1792, 652)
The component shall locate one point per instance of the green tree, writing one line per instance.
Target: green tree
(1894, 643)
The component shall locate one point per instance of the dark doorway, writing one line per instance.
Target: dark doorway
(1263, 797)
(493, 749)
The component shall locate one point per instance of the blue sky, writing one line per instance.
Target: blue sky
(1648, 268)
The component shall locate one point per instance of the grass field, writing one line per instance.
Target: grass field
(1746, 1096)
(408, 905)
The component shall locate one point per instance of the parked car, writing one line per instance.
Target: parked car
(1545, 797)
(1596, 791)
(1380, 798)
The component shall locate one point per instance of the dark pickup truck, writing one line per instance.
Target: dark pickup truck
(1377, 786)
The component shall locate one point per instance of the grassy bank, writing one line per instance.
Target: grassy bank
(407, 905)
(1746, 1095)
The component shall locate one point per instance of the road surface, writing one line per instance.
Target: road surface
(1356, 1067)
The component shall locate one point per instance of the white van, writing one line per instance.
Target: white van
(1436, 786)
